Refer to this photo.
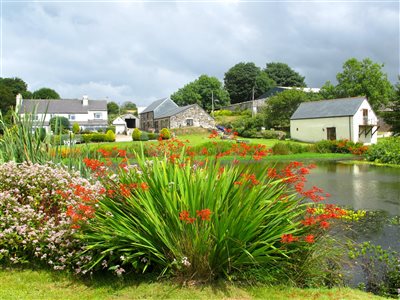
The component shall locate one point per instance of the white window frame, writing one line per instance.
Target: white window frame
(98, 115)
(71, 117)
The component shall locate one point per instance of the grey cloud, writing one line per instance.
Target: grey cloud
(141, 52)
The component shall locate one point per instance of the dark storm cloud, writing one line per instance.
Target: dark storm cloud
(141, 52)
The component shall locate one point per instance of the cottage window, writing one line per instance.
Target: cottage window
(189, 122)
(71, 117)
(98, 115)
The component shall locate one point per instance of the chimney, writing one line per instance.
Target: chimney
(85, 100)
(18, 102)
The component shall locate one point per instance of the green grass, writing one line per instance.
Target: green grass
(28, 284)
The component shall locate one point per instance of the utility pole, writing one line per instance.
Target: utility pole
(212, 103)
(252, 102)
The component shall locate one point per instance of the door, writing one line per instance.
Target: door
(331, 133)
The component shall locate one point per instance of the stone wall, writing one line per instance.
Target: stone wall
(194, 116)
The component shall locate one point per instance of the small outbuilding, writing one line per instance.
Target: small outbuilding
(347, 118)
(125, 124)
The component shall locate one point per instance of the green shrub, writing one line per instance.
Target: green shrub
(98, 137)
(273, 134)
(136, 133)
(35, 224)
(339, 146)
(76, 128)
(223, 112)
(288, 148)
(144, 136)
(59, 125)
(385, 151)
(112, 128)
(110, 136)
(153, 136)
(165, 134)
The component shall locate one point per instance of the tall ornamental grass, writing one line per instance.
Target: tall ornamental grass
(201, 220)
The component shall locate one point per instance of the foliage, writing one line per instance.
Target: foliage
(280, 107)
(386, 151)
(98, 137)
(175, 215)
(45, 93)
(289, 148)
(59, 124)
(35, 224)
(110, 136)
(153, 136)
(223, 112)
(144, 136)
(392, 116)
(201, 91)
(136, 133)
(9, 89)
(111, 127)
(20, 144)
(75, 128)
(361, 78)
(165, 134)
(129, 106)
(381, 269)
(241, 79)
(339, 146)
(248, 127)
(112, 108)
(283, 75)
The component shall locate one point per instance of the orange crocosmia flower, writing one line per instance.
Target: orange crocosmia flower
(144, 186)
(184, 215)
(204, 214)
(309, 239)
(288, 238)
(324, 224)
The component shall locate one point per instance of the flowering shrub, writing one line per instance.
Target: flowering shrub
(201, 219)
(37, 215)
(339, 146)
(386, 151)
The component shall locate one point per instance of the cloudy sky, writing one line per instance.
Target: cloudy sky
(142, 51)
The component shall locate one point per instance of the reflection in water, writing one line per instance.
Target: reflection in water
(359, 186)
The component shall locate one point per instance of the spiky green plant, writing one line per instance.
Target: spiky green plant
(195, 221)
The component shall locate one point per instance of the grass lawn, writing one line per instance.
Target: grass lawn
(28, 284)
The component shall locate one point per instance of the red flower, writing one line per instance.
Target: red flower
(288, 238)
(204, 214)
(324, 224)
(309, 239)
(184, 215)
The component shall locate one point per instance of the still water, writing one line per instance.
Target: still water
(364, 187)
(359, 186)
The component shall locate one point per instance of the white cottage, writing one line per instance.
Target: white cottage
(347, 118)
(89, 114)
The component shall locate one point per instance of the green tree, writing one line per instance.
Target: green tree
(59, 124)
(283, 75)
(129, 106)
(7, 98)
(364, 78)
(280, 107)
(392, 116)
(112, 108)
(201, 91)
(243, 78)
(75, 128)
(45, 93)
(16, 85)
(9, 88)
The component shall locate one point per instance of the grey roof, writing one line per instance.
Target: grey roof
(328, 108)
(65, 106)
(161, 107)
(175, 111)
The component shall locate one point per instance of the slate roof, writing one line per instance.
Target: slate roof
(174, 112)
(161, 107)
(62, 106)
(328, 108)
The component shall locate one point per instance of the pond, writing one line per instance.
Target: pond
(359, 186)
(375, 189)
